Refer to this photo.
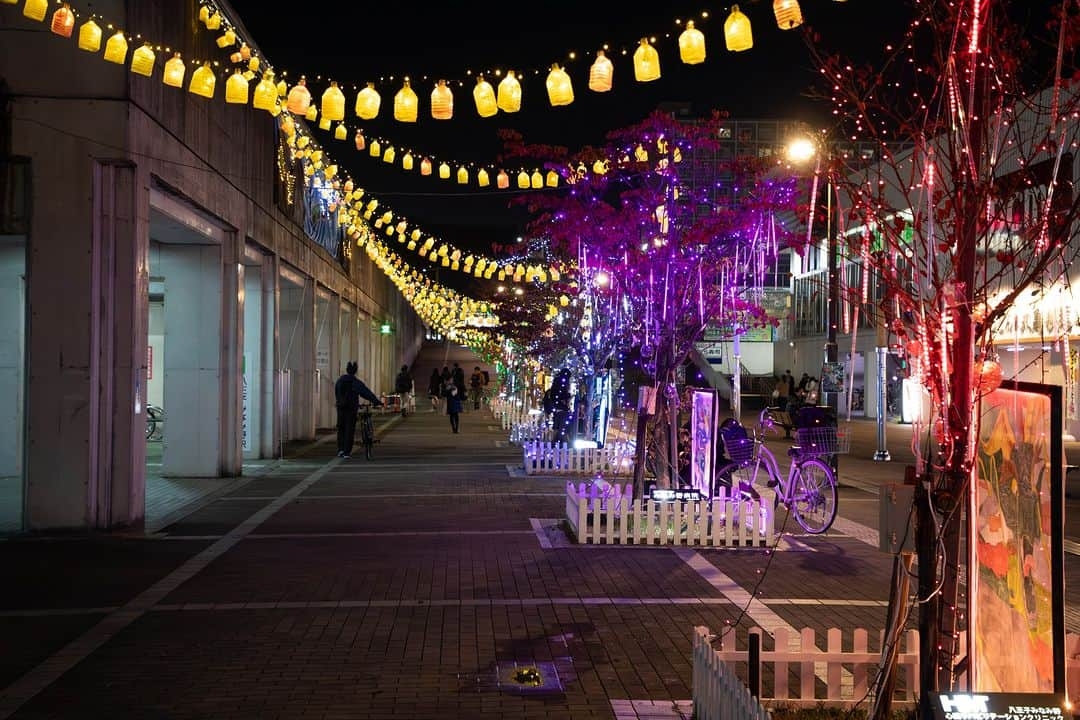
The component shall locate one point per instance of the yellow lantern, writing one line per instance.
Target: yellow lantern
(288, 127)
(407, 161)
(484, 96)
(367, 103)
(389, 155)
(692, 45)
(564, 300)
(442, 102)
(462, 176)
(282, 89)
(312, 113)
(266, 93)
(341, 132)
(425, 167)
(405, 104)
(116, 48)
(36, 9)
(600, 73)
(236, 89)
(63, 21)
(227, 39)
(552, 179)
(788, 13)
(142, 61)
(214, 21)
(359, 140)
(537, 180)
(299, 98)
(324, 123)
(509, 99)
(174, 72)
(599, 167)
(502, 180)
(375, 149)
(203, 81)
(737, 34)
(523, 180)
(646, 62)
(333, 103)
(253, 64)
(90, 36)
(444, 171)
(560, 91)
(482, 178)
(204, 14)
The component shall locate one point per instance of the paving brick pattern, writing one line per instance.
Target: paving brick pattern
(409, 586)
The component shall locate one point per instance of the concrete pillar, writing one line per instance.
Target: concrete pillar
(271, 419)
(251, 396)
(232, 354)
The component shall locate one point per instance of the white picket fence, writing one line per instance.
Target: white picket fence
(511, 412)
(608, 514)
(560, 459)
(718, 692)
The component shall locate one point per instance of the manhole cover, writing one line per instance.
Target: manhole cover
(528, 678)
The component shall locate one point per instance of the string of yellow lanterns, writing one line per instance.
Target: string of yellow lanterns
(488, 100)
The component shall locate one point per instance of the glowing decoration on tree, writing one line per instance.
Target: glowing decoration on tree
(990, 376)
(509, 97)
(63, 21)
(442, 101)
(36, 9)
(299, 98)
(236, 89)
(484, 97)
(737, 34)
(368, 102)
(788, 14)
(266, 93)
(116, 48)
(203, 81)
(646, 62)
(560, 90)
(174, 71)
(405, 104)
(142, 61)
(90, 36)
(333, 103)
(691, 45)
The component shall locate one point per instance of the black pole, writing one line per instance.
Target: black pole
(926, 548)
(754, 658)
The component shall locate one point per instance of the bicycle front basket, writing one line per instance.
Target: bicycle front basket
(822, 441)
(739, 448)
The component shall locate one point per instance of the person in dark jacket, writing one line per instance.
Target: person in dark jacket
(403, 385)
(348, 390)
(434, 388)
(453, 404)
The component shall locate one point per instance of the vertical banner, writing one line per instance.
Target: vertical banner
(245, 410)
(702, 436)
(1016, 586)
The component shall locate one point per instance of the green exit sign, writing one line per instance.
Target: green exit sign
(385, 329)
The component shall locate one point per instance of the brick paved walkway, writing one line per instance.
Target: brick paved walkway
(409, 586)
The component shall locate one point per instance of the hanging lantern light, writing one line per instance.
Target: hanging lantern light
(737, 34)
(63, 21)
(646, 62)
(523, 180)
(407, 161)
(312, 113)
(90, 36)
(374, 149)
(405, 104)
(174, 72)
(227, 39)
(142, 61)
(236, 88)
(324, 123)
(425, 166)
(560, 91)
(359, 140)
(36, 9)
(482, 178)
(788, 14)
(601, 72)
(116, 48)
(509, 99)
(462, 176)
(282, 89)
(367, 103)
(333, 103)
(502, 180)
(444, 171)
(203, 81)
(552, 179)
(389, 155)
(484, 97)
(266, 93)
(692, 45)
(299, 98)
(288, 127)
(214, 21)
(536, 180)
(341, 132)
(253, 64)
(442, 101)
(989, 376)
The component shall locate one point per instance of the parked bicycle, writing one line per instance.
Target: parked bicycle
(367, 429)
(808, 491)
(155, 419)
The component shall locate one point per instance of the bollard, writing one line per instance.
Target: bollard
(754, 658)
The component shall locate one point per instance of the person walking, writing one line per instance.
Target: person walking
(347, 391)
(476, 385)
(403, 385)
(434, 389)
(459, 380)
(453, 404)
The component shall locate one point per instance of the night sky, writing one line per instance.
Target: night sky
(359, 42)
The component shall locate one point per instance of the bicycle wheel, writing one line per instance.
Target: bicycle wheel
(739, 479)
(813, 496)
(151, 426)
